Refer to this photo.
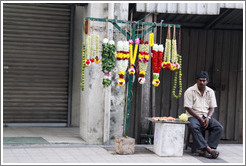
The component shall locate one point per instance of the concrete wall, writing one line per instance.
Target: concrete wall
(101, 110)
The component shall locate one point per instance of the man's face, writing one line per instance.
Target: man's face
(202, 82)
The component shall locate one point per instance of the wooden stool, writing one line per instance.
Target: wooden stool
(193, 145)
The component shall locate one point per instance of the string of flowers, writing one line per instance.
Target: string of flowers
(97, 59)
(108, 60)
(156, 63)
(143, 59)
(122, 60)
(82, 81)
(166, 64)
(88, 51)
(151, 39)
(178, 74)
(175, 64)
(82, 77)
(133, 57)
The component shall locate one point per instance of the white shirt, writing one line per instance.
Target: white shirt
(200, 104)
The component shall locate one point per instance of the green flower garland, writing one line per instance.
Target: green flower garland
(82, 81)
(108, 61)
(178, 73)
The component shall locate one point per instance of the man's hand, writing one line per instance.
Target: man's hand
(202, 121)
(206, 120)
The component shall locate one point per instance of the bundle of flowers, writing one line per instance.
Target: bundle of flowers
(156, 63)
(108, 60)
(143, 59)
(122, 60)
(133, 57)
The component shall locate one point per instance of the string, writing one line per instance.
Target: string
(179, 43)
(161, 31)
(107, 28)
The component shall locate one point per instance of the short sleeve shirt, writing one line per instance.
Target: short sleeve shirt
(200, 104)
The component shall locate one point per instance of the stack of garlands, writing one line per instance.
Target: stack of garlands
(156, 63)
(170, 63)
(108, 60)
(143, 59)
(133, 56)
(122, 60)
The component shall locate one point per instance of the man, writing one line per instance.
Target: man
(199, 103)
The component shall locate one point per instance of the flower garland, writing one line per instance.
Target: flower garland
(122, 60)
(88, 51)
(170, 63)
(151, 39)
(97, 59)
(178, 74)
(143, 59)
(108, 60)
(82, 81)
(156, 63)
(133, 57)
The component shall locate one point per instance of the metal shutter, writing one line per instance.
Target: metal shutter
(36, 43)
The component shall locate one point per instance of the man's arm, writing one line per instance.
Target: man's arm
(210, 114)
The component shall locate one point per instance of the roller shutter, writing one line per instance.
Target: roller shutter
(36, 44)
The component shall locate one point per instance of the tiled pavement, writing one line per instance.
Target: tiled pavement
(65, 146)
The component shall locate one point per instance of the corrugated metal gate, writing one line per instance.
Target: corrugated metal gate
(36, 44)
(220, 53)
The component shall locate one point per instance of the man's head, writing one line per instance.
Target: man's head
(202, 79)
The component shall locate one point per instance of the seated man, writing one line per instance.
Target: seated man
(199, 103)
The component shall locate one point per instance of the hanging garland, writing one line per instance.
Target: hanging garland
(151, 39)
(166, 64)
(82, 81)
(88, 51)
(178, 74)
(108, 61)
(156, 63)
(122, 60)
(133, 56)
(175, 64)
(97, 59)
(143, 59)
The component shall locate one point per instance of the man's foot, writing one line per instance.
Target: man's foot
(209, 153)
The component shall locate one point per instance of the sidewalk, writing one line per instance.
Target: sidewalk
(65, 146)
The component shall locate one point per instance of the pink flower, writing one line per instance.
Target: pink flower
(137, 41)
(130, 41)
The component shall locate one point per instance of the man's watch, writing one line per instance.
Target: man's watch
(209, 117)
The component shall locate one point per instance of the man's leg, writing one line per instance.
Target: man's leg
(215, 129)
(196, 130)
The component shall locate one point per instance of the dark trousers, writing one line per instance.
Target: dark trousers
(214, 127)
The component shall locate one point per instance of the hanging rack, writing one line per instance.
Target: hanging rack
(134, 36)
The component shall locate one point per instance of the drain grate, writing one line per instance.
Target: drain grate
(24, 140)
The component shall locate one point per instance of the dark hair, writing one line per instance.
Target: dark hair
(202, 74)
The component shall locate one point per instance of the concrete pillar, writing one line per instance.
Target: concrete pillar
(102, 109)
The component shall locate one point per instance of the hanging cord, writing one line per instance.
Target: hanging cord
(179, 42)
(161, 31)
(106, 28)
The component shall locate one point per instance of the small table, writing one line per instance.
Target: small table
(169, 137)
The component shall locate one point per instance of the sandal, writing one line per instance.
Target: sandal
(215, 154)
(206, 154)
